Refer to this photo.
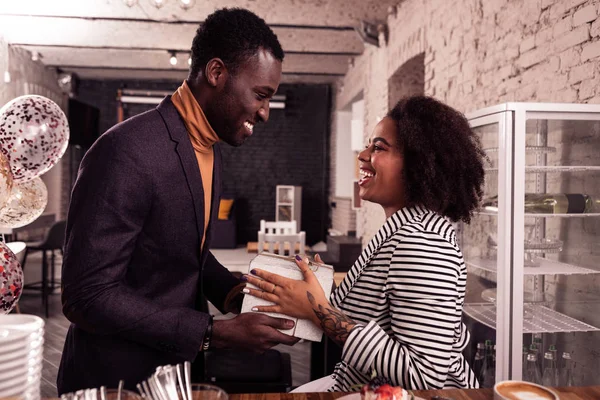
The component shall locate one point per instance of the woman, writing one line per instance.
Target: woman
(398, 311)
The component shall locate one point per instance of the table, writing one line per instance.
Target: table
(570, 393)
(252, 247)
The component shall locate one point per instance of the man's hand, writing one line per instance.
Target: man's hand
(250, 331)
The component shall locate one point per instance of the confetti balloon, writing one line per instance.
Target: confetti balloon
(6, 180)
(34, 135)
(11, 279)
(26, 203)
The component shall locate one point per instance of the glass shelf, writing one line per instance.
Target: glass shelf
(538, 319)
(490, 295)
(544, 267)
(535, 215)
(543, 246)
(528, 149)
(538, 246)
(549, 169)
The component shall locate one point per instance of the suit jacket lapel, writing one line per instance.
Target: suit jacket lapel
(391, 226)
(189, 163)
(215, 201)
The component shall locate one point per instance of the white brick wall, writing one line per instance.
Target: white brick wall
(478, 54)
(343, 217)
(482, 53)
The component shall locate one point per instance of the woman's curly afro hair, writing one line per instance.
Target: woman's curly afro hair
(442, 156)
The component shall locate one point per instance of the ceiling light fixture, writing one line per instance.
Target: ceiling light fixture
(158, 3)
(173, 59)
(187, 4)
(369, 32)
(130, 3)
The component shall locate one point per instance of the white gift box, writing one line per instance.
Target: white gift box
(286, 266)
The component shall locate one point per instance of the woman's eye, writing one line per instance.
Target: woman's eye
(377, 148)
(260, 96)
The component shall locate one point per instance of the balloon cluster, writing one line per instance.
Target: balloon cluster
(34, 135)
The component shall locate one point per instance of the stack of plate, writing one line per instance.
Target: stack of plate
(21, 352)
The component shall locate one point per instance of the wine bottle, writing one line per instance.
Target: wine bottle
(550, 375)
(478, 362)
(566, 372)
(551, 203)
(489, 366)
(532, 372)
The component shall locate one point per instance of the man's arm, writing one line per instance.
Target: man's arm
(221, 287)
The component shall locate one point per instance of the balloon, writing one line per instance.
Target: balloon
(27, 202)
(6, 180)
(34, 135)
(11, 279)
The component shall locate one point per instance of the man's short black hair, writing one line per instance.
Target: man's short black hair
(443, 158)
(233, 35)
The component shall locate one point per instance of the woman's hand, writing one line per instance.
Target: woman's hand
(300, 299)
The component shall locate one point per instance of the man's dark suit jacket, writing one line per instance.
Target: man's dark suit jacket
(133, 269)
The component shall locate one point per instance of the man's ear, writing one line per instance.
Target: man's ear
(216, 73)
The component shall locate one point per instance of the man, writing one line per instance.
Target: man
(136, 253)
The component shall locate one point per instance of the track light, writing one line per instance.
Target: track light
(130, 3)
(187, 4)
(369, 32)
(158, 3)
(190, 60)
(173, 59)
(7, 77)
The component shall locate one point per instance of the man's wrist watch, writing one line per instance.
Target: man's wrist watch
(207, 335)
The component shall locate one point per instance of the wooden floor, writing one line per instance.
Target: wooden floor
(57, 325)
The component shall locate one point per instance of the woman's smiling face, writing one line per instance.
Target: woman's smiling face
(381, 166)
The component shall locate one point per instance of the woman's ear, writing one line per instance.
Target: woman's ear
(216, 72)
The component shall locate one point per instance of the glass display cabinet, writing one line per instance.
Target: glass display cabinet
(533, 249)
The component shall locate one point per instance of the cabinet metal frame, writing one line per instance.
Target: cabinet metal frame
(512, 118)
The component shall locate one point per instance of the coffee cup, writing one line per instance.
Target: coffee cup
(521, 390)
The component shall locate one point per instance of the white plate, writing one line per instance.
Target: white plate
(24, 322)
(6, 366)
(20, 347)
(356, 396)
(353, 396)
(10, 335)
(20, 384)
(24, 352)
(15, 373)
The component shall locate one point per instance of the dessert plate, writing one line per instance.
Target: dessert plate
(356, 396)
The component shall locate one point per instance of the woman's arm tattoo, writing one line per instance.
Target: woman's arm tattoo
(334, 322)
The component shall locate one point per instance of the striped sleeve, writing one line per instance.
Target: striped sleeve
(422, 292)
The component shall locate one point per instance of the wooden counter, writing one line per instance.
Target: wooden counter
(570, 393)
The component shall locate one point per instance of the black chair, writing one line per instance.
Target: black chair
(237, 371)
(53, 241)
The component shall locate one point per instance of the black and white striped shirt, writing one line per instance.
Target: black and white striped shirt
(406, 292)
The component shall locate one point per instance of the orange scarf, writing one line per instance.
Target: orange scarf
(203, 137)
